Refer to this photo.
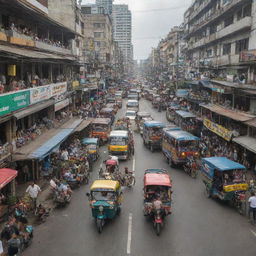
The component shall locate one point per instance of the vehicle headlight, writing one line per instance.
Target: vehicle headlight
(101, 208)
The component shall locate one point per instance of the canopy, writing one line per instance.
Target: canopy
(105, 184)
(180, 135)
(229, 113)
(222, 163)
(83, 125)
(53, 143)
(185, 114)
(156, 179)
(6, 176)
(111, 162)
(246, 142)
(87, 141)
(154, 124)
(101, 121)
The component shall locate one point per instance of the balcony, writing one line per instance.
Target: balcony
(45, 46)
(199, 9)
(214, 16)
(242, 24)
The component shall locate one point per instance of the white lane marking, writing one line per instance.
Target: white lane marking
(129, 237)
(253, 232)
(133, 164)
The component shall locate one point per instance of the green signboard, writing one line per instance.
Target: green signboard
(14, 101)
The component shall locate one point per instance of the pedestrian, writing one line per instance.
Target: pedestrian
(64, 155)
(33, 191)
(252, 205)
(13, 245)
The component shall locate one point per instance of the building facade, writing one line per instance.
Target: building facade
(122, 26)
(220, 35)
(107, 5)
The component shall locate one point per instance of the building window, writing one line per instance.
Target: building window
(98, 35)
(228, 21)
(247, 10)
(97, 43)
(209, 53)
(242, 45)
(226, 49)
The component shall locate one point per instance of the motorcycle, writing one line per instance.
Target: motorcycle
(158, 220)
(42, 213)
(129, 179)
(191, 168)
(61, 198)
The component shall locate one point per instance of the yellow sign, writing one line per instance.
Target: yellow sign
(118, 148)
(218, 129)
(12, 70)
(236, 187)
(75, 84)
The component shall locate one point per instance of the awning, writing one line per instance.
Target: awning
(54, 142)
(246, 142)
(6, 176)
(235, 115)
(34, 108)
(83, 125)
(23, 52)
(251, 123)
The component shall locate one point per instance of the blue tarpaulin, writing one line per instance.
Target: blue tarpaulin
(53, 143)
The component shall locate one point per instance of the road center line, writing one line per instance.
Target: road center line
(133, 165)
(129, 237)
(253, 232)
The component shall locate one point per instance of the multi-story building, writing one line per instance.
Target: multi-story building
(99, 29)
(122, 25)
(107, 5)
(36, 71)
(219, 34)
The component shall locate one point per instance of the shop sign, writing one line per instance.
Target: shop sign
(58, 89)
(61, 104)
(14, 101)
(75, 84)
(40, 93)
(248, 56)
(218, 129)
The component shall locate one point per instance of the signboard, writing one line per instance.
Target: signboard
(246, 56)
(75, 84)
(58, 89)
(14, 101)
(40, 93)
(61, 104)
(218, 129)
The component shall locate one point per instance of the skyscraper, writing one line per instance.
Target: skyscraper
(122, 26)
(106, 4)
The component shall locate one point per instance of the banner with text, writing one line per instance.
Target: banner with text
(14, 101)
(218, 129)
(40, 93)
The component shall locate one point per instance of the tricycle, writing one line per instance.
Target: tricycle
(157, 196)
(105, 201)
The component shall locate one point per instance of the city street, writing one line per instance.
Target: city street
(198, 226)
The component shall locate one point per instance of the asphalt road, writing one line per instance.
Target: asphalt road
(198, 226)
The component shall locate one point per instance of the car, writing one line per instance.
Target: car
(131, 114)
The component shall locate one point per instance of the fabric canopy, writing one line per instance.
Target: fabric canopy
(53, 143)
(6, 176)
(246, 142)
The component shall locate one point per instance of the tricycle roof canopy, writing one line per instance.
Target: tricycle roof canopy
(181, 135)
(157, 179)
(154, 124)
(222, 163)
(6, 176)
(87, 141)
(105, 184)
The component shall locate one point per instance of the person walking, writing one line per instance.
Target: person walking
(33, 191)
(252, 205)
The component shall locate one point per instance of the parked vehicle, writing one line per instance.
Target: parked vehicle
(157, 196)
(152, 134)
(105, 201)
(226, 180)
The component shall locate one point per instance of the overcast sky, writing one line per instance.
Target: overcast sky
(152, 20)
